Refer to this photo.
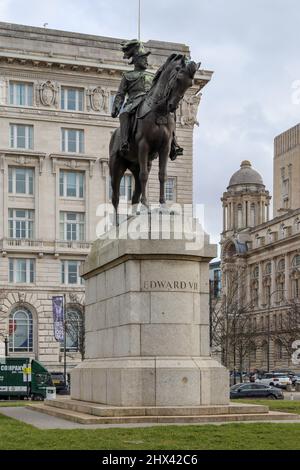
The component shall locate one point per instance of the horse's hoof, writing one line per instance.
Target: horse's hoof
(134, 209)
(144, 208)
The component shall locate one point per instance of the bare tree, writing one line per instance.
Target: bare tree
(286, 329)
(232, 328)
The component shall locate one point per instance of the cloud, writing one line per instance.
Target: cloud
(252, 48)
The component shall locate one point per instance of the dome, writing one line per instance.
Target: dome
(246, 175)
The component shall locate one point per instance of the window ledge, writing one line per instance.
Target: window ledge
(77, 156)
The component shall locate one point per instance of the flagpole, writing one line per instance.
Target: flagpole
(139, 21)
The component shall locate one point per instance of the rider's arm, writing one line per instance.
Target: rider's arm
(119, 98)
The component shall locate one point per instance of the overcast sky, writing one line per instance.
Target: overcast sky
(253, 47)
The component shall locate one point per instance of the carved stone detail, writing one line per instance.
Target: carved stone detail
(48, 93)
(98, 99)
(188, 110)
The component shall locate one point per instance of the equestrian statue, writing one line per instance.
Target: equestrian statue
(146, 105)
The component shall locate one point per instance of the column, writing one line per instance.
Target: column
(273, 282)
(245, 214)
(260, 285)
(224, 219)
(232, 216)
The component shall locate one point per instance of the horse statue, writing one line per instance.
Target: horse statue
(152, 130)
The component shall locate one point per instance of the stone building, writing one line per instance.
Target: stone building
(56, 91)
(266, 252)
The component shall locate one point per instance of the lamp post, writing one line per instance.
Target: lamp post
(6, 345)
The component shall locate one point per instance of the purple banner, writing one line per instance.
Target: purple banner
(58, 317)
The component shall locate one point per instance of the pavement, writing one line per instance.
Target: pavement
(42, 421)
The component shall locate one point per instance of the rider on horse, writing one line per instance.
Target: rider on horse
(135, 85)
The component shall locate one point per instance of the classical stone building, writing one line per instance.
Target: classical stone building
(266, 253)
(56, 91)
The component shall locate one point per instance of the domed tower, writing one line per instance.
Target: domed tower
(246, 201)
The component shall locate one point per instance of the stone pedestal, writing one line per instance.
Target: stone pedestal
(147, 325)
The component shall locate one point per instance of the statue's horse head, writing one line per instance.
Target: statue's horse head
(172, 81)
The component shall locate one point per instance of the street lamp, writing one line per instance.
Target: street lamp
(6, 345)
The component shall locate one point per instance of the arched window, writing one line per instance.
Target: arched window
(268, 269)
(296, 261)
(282, 230)
(252, 352)
(269, 236)
(240, 216)
(281, 265)
(264, 352)
(256, 272)
(73, 330)
(278, 350)
(252, 215)
(20, 330)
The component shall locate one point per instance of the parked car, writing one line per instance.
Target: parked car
(58, 380)
(275, 380)
(255, 390)
(290, 373)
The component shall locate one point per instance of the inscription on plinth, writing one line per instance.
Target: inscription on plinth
(165, 285)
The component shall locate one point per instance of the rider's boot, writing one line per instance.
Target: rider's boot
(124, 128)
(175, 149)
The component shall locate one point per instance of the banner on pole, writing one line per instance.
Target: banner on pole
(58, 317)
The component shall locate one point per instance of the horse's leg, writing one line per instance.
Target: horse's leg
(162, 174)
(117, 171)
(135, 170)
(143, 152)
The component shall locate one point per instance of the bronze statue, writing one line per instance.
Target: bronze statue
(147, 120)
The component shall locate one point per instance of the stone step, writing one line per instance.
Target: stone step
(84, 418)
(111, 411)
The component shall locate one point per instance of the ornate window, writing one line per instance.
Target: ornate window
(264, 352)
(256, 272)
(296, 261)
(268, 268)
(278, 350)
(297, 225)
(240, 216)
(252, 215)
(252, 348)
(281, 265)
(20, 330)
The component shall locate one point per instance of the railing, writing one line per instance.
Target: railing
(42, 245)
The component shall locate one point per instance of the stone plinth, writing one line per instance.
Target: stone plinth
(147, 325)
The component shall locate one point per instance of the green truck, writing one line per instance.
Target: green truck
(23, 377)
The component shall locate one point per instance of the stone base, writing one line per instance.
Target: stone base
(151, 381)
(90, 413)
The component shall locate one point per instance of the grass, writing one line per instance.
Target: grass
(16, 435)
(285, 406)
(12, 403)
